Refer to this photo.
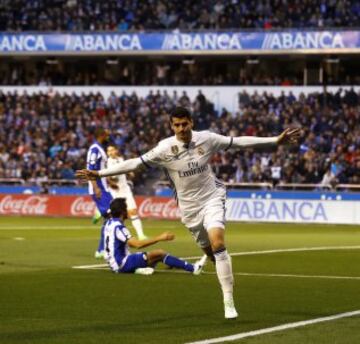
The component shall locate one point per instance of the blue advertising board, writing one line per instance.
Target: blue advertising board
(231, 42)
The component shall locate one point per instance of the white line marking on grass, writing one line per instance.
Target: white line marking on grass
(95, 266)
(293, 275)
(19, 238)
(281, 250)
(250, 274)
(277, 328)
(248, 253)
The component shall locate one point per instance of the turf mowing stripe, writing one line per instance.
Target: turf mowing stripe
(276, 328)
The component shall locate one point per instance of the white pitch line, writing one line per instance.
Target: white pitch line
(250, 274)
(277, 328)
(281, 250)
(248, 253)
(294, 276)
(95, 266)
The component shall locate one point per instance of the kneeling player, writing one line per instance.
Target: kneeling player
(118, 239)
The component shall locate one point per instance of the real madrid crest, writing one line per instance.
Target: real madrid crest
(201, 151)
(175, 149)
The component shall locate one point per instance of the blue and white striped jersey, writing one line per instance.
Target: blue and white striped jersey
(116, 236)
(96, 160)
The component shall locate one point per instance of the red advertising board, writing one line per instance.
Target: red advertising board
(80, 206)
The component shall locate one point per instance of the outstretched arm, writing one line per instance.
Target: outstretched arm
(136, 243)
(120, 168)
(288, 136)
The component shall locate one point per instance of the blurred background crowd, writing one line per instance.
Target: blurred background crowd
(46, 136)
(124, 15)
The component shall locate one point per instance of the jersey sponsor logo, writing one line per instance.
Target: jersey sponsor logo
(193, 170)
(32, 205)
(82, 207)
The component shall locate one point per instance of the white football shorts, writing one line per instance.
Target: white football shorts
(212, 215)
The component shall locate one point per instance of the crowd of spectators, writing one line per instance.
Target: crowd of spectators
(46, 136)
(123, 15)
(138, 74)
(145, 73)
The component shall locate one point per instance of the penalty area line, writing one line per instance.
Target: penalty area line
(277, 328)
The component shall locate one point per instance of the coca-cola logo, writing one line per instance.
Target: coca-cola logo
(81, 206)
(159, 208)
(33, 205)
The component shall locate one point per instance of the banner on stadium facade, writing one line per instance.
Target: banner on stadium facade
(237, 209)
(230, 42)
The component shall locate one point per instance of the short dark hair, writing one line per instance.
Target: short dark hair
(180, 112)
(118, 207)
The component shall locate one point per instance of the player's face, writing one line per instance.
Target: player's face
(112, 152)
(182, 128)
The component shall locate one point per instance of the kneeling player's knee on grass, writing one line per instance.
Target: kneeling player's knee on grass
(156, 256)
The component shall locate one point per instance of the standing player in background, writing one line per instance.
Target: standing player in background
(98, 189)
(201, 197)
(119, 188)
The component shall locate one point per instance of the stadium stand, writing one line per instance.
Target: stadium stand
(122, 15)
(55, 131)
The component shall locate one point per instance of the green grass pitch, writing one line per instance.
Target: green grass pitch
(44, 300)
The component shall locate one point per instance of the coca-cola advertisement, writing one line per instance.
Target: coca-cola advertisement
(81, 206)
(49, 205)
(158, 207)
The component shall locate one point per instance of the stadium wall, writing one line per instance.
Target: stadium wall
(222, 96)
(252, 209)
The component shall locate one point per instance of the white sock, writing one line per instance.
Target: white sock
(224, 273)
(136, 222)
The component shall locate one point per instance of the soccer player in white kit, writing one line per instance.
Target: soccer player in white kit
(119, 188)
(201, 197)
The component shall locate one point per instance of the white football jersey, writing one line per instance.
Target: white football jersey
(188, 169)
(121, 181)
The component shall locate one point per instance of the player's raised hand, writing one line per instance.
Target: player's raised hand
(86, 175)
(166, 236)
(289, 136)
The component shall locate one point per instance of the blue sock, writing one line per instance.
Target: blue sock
(175, 262)
(101, 241)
